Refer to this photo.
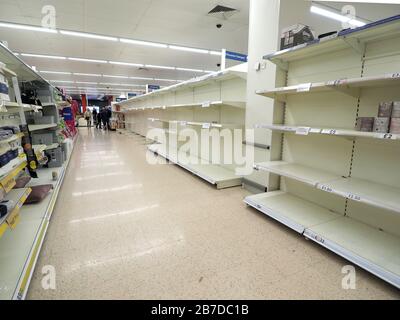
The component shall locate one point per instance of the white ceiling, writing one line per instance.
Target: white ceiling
(182, 22)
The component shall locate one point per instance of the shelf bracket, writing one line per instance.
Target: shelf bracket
(354, 92)
(356, 45)
(281, 64)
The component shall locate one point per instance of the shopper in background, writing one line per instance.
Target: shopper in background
(98, 123)
(109, 115)
(94, 113)
(104, 118)
(88, 118)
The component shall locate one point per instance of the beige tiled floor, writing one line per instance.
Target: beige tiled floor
(124, 229)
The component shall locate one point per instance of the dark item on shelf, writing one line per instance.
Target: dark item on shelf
(5, 207)
(381, 125)
(395, 126)
(396, 109)
(30, 154)
(385, 109)
(38, 193)
(29, 96)
(295, 35)
(55, 156)
(22, 181)
(365, 124)
(328, 34)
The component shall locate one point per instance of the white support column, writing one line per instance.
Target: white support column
(263, 39)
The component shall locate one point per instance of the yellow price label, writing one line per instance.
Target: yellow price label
(8, 183)
(13, 219)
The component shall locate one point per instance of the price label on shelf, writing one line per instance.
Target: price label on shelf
(13, 219)
(388, 136)
(303, 131)
(393, 75)
(183, 123)
(329, 131)
(206, 125)
(8, 183)
(206, 104)
(325, 188)
(304, 87)
(354, 197)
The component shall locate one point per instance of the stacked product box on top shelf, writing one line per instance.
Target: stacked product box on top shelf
(387, 121)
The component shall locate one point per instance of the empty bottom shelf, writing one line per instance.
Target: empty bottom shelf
(214, 174)
(368, 247)
(372, 249)
(290, 210)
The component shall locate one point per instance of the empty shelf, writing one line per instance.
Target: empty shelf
(36, 127)
(297, 172)
(374, 194)
(303, 130)
(212, 173)
(368, 192)
(290, 210)
(372, 249)
(349, 86)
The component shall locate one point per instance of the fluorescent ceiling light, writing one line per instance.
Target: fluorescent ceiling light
(112, 76)
(188, 49)
(85, 82)
(144, 43)
(87, 35)
(141, 78)
(26, 27)
(336, 16)
(63, 81)
(166, 80)
(56, 72)
(159, 67)
(126, 64)
(215, 53)
(190, 70)
(87, 74)
(42, 56)
(87, 60)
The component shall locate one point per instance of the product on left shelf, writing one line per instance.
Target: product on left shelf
(3, 84)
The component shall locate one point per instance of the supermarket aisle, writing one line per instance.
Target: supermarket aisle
(124, 229)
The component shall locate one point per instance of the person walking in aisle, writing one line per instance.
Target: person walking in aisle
(109, 115)
(104, 118)
(98, 123)
(94, 113)
(88, 117)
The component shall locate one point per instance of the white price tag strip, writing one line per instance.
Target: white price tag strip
(325, 188)
(393, 75)
(329, 131)
(304, 87)
(206, 104)
(206, 125)
(303, 131)
(388, 136)
(353, 197)
(183, 123)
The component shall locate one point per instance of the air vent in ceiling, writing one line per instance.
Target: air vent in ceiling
(222, 12)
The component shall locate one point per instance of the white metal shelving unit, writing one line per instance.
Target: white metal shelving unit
(23, 230)
(341, 193)
(214, 101)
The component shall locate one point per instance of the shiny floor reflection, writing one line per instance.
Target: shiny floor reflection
(125, 229)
